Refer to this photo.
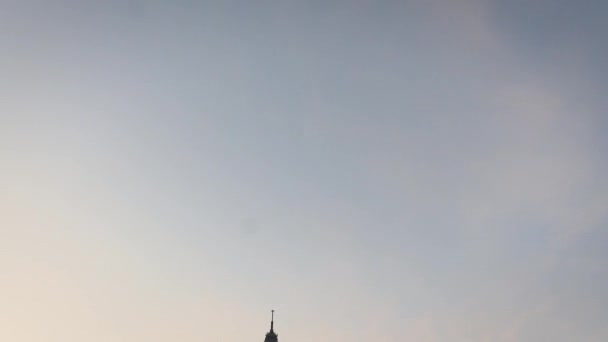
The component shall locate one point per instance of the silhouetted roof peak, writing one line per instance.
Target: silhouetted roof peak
(271, 336)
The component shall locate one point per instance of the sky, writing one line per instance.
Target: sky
(424, 170)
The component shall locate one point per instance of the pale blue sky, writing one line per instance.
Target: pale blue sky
(388, 170)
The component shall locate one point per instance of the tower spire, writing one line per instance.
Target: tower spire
(272, 320)
(271, 336)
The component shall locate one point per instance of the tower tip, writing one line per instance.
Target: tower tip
(272, 320)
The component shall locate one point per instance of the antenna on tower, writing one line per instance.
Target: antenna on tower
(272, 320)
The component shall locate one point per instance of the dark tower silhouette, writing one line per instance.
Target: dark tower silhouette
(271, 336)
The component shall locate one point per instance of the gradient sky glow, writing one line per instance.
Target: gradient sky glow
(425, 170)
